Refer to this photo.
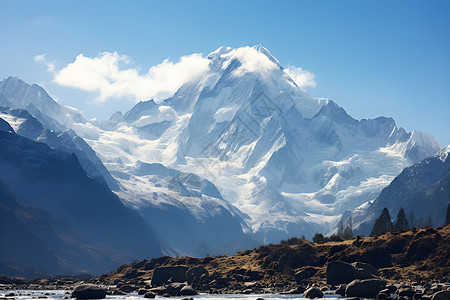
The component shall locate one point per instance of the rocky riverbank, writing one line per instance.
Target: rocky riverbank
(404, 265)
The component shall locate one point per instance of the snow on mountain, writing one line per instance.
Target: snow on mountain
(187, 210)
(28, 126)
(291, 163)
(36, 100)
(421, 189)
(57, 219)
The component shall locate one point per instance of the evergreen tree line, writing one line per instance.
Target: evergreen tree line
(344, 232)
(384, 224)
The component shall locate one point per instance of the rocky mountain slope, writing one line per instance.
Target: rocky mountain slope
(291, 163)
(422, 189)
(185, 209)
(56, 219)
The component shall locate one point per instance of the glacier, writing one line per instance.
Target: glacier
(290, 163)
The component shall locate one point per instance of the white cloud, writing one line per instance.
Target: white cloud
(301, 77)
(41, 59)
(107, 75)
(251, 60)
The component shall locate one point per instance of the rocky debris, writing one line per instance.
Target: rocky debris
(340, 290)
(162, 275)
(406, 291)
(364, 271)
(89, 291)
(304, 274)
(368, 288)
(194, 274)
(188, 291)
(142, 291)
(339, 272)
(149, 295)
(312, 293)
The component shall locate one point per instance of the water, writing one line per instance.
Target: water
(59, 294)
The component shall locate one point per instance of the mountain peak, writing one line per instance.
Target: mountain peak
(266, 52)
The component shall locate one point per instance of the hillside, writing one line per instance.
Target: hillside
(414, 256)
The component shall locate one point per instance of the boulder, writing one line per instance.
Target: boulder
(149, 295)
(162, 275)
(304, 274)
(442, 295)
(339, 272)
(364, 270)
(312, 293)
(194, 274)
(406, 292)
(126, 288)
(340, 290)
(368, 288)
(143, 291)
(174, 289)
(88, 291)
(188, 291)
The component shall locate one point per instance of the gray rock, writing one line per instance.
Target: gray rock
(312, 293)
(162, 275)
(339, 272)
(406, 292)
(364, 270)
(340, 290)
(368, 288)
(442, 295)
(143, 291)
(194, 274)
(149, 295)
(88, 291)
(188, 291)
(304, 274)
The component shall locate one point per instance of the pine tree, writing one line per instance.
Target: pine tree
(447, 218)
(401, 223)
(412, 220)
(383, 224)
(348, 230)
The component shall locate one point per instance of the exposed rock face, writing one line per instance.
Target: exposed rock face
(368, 288)
(340, 272)
(88, 291)
(194, 274)
(162, 274)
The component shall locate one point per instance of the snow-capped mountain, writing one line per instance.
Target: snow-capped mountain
(56, 219)
(28, 126)
(188, 211)
(291, 163)
(422, 189)
(18, 94)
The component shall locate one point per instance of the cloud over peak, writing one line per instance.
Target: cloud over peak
(110, 75)
(301, 77)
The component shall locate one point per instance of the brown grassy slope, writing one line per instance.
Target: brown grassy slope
(417, 254)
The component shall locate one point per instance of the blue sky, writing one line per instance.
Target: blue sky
(374, 58)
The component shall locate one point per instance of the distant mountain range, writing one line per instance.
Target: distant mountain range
(238, 157)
